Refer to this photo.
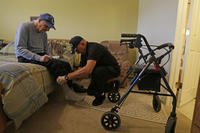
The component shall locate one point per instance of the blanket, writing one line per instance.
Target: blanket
(26, 87)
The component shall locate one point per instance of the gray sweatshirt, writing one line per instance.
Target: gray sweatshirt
(29, 42)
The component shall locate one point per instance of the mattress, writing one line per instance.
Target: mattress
(26, 87)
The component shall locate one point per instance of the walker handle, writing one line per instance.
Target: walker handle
(128, 35)
(169, 45)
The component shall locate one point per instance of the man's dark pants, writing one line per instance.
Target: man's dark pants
(100, 77)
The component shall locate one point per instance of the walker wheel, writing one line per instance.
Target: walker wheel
(170, 125)
(113, 96)
(156, 103)
(110, 120)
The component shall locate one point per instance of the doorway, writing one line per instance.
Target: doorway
(185, 67)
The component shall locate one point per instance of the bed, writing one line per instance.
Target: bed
(25, 86)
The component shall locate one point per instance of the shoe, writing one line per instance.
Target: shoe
(98, 100)
(78, 88)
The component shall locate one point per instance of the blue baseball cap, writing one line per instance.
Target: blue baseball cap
(49, 19)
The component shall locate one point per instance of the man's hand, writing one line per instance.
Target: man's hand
(45, 58)
(61, 80)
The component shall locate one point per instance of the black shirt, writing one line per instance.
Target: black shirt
(100, 54)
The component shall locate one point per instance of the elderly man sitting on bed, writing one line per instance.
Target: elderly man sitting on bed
(31, 47)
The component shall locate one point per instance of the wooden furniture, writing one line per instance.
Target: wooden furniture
(2, 118)
(6, 125)
(196, 117)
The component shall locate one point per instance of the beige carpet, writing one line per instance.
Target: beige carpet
(136, 106)
(60, 116)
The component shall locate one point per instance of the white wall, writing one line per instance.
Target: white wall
(157, 21)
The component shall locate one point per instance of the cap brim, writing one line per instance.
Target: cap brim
(50, 25)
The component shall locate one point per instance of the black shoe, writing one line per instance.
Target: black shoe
(78, 88)
(98, 100)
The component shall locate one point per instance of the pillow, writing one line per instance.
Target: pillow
(8, 49)
(3, 43)
(59, 47)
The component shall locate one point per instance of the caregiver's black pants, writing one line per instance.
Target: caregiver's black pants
(100, 77)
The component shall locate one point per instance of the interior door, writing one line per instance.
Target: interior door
(176, 70)
(191, 70)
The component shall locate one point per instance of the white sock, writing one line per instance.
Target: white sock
(71, 95)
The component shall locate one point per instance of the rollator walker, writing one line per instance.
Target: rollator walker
(148, 77)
